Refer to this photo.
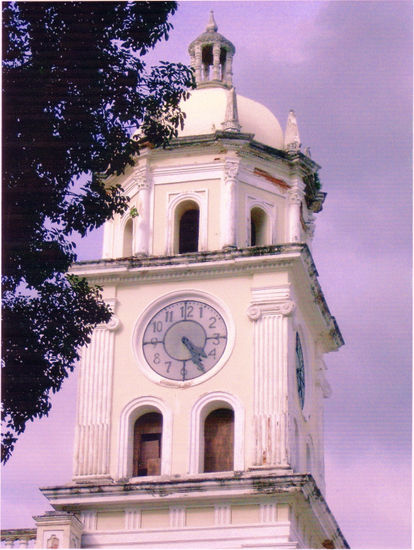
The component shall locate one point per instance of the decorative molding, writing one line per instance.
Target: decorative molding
(231, 169)
(268, 513)
(132, 519)
(177, 516)
(89, 520)
(295, 196)
(270, 212)
(200, 197)
(201, 408)
(255, 312)
(222, 514)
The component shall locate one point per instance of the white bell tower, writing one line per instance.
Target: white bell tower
(200, 404)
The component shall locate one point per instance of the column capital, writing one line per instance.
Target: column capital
(231, 168)
(256, 311)
(295, 195)
(142, 178)
(110, 325)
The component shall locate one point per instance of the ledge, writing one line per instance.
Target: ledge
(233, 261)
(168, 490)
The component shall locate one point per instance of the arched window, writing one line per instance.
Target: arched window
(219, 441)
(258, 227)
(127, 244)
(187, 216)
(147, 445)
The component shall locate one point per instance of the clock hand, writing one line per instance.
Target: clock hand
(196, 352)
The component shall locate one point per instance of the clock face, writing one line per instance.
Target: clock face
(184, 340)
(300, 371)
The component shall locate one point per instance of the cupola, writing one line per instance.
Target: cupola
(211, 57)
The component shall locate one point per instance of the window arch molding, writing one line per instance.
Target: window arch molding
(174, 201)
(201, 409)
(270, 212)
(122, 229)
(131, 412)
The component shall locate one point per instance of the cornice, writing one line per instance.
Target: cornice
(201, 487)
(214, 264)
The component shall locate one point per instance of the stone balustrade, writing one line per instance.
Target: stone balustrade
(18, 538)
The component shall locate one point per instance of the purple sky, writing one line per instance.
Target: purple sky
(345, 67)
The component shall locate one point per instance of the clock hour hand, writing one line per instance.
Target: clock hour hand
(196, 352)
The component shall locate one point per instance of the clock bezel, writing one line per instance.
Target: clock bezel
(167, 299)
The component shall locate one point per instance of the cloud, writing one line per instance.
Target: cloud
(371, 496)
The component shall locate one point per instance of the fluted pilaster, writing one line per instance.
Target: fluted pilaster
(94, 403)
(269, 310)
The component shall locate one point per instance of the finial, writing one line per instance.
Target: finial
(211, 25)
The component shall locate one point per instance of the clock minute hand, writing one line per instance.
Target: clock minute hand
(196, 352)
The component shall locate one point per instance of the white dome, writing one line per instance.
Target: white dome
(206, 109)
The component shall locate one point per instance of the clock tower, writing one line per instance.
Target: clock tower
(200, 403)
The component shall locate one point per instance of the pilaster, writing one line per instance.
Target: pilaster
(295, 197)
(92, 434)
(229, 205)
(269, 310)
(58, 530)
(142, 221)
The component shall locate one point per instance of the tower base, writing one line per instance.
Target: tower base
(215, 510)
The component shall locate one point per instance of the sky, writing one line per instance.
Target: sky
(346, 69)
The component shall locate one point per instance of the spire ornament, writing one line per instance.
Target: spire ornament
(211, 57)
(231, 120)
(292, 139)
(211, 25)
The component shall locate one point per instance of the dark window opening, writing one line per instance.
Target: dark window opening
(189, 227)
(219, 441)
(127, 245)
(147, 445)
(258, 227)
(252, 233)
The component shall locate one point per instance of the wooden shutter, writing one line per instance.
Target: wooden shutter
(219, 441)
(147, 445)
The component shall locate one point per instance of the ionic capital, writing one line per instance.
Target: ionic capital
(256, 311)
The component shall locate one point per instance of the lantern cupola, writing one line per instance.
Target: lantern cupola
(211, 57)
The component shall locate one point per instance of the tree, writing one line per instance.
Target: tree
(74, 88)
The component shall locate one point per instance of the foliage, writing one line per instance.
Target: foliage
(75, 86)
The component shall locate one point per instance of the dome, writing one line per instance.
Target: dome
(206, 112)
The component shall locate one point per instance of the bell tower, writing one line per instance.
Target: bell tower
(200, 404)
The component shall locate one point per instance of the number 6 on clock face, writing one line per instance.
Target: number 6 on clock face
(184, 340)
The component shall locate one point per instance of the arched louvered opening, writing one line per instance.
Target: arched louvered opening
(147, 445)
(187, 222)
(127, 243)
(258, 227)
(207, 61)
(219, 441)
